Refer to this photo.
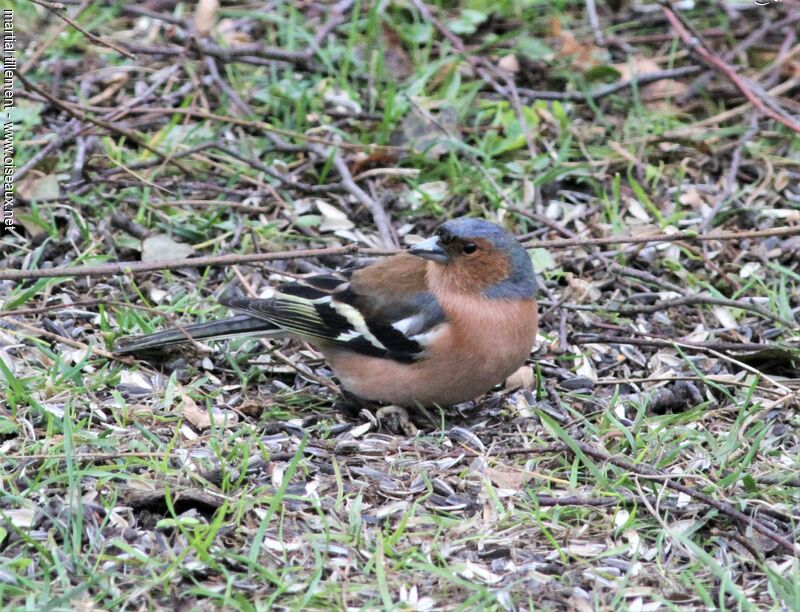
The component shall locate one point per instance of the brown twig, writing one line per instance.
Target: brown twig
(267, 127)
(612, 88)
(675, 237)
(484, 69)
(697, 47)
(348, 184)
(64, 136)
(588, 338)
(136, 267)
(753, 38)
(378, 212)
(594, 21)
(647, 471)
(730, 176)
(691, 300)
(706, 347)
(55, 8)
(81, 116)
(211, 203)
(687, 300)
(284, 180)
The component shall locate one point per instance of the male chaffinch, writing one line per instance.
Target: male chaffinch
(440, 324)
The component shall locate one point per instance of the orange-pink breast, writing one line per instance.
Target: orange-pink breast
(483, 342)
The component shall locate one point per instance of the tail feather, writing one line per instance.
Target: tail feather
(213, 330)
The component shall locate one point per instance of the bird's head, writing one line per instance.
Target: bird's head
(476, 256)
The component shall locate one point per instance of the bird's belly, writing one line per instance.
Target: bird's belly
(445, 377)
(406, 384)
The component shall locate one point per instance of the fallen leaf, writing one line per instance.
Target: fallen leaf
(333, 219)
(582, 56)
(204, 16)
(31, 225)
(38, 186)
(523, 378)
(693, 198)
(426, 131)
(637, 211)
(395, 58)
(161, 246)
(657, 91)
(230, 35)
(749, 269)
(19, 517)
(473, 571)
(509, 63)
(435, 191)
(581, 291)
(542, 260)
(508, 479)
(725, 317)
(193, 413)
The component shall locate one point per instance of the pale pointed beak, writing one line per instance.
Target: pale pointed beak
(430, 249)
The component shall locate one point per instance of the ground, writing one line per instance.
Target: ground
(645, 458)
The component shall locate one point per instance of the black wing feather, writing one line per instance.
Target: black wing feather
(326, 309)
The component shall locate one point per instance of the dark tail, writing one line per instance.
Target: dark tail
(213, 330)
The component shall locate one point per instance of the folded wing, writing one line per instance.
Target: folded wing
(349, 311)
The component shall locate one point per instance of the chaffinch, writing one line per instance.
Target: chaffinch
(440, 324)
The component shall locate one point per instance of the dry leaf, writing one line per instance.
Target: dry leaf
(523, 378)
(581, 56)
(725, 317)
(427, 131)
(656, 91)
(395, 58)
(637, 211)
(587, 369)
(38, 186)
(160, 247)
(333, 219)
(633, 354)
(204, 16)
(19, 517)
(193, 413)
(692, 197)
(230, 35)
(581, 291)
(473, 571)
(749, 269)
(509, 63)
(509, 479)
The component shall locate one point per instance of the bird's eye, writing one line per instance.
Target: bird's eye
(469, 247)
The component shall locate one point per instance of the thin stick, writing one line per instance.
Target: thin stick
(725, 69)
(266, 127)
(137, 267)
(589, 338)
(68, 341)
(647, 471)
(80, 115)
(675, 237)
(55, 9)
(93, 456)
(709, 347)
(611, 88)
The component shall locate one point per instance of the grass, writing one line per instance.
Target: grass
(113, 497)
